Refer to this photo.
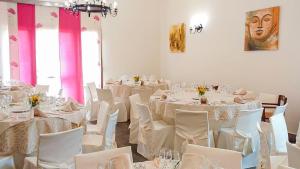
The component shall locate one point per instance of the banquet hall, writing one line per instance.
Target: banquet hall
(140, 84)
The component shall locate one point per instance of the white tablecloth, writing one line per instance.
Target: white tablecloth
(221, 108)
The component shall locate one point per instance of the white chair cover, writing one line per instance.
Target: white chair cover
(94, 160)
(134, 118)
(56, 150)
(191, 127)
(7, 162)
(94, 101)
(95, 142)
(99, 128)
(280, 109)
(293, 155)
(280, 133)
(106, 95)
(153, 135)
(244, 137)
(298, 136)
(42, 89)
(144, 92)
(226, 159)
(264, 157)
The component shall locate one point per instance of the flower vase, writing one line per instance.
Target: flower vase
(203, 99)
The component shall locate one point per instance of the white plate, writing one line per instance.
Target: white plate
(19, 109)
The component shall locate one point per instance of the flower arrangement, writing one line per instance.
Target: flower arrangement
(34, 100)
(201, 90)
(136, 78)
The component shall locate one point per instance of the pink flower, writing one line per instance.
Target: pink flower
(14, 64)
(38, 25)
(13, 38)
(11, 11)
(83, 28)
(97, 18)
(54, 14)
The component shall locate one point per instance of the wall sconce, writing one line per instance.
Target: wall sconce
(196, 29)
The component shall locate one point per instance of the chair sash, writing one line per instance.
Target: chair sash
(243, 142)
(190, 139)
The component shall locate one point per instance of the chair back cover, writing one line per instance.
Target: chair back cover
(248, 119)
(145, 118)
(191, 127)
(42, 89)
(93, 91)
(109, 136)
(103, 116)
(60, 147)
(226, 159)
(106, 95)
(280, 133)
(94, 160)
(280, 109)
(293, 155)
(144, 92)
(134, 100)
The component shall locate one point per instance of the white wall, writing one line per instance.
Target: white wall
(131, 40)
(217, 54)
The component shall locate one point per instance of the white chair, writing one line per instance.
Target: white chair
(94, 101)
(56, 150)
(106, 95)
(293, 155)
(280, 134)
(192, 127)
(93, 160)
(153, 135)
(244, 137)
(42, 89)
(99, 128)
(6, 162)
(280, 109)
(226, 159)
(95, 142)
(134, 118)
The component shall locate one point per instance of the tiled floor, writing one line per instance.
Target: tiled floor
(122, 138)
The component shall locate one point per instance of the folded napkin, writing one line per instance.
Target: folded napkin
(240, 91)
(3, 116)
(70, 106)
(110, 81)
(121, 161)
(15, 88)
(39, 113)
(239, 100)
(249, 96)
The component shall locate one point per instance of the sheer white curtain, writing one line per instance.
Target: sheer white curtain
(47, 48)
(90, 43)
(4, 52)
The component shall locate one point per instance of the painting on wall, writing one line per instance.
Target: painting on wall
(262, 29)
(177, 38)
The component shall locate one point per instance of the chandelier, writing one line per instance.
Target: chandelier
(92, 6)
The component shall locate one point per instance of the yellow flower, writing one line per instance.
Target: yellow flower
(201, 90)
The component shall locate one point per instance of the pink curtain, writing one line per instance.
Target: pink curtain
(26, 35)
(70, 54)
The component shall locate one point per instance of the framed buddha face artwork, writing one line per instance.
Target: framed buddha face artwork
(177, 38)
(262, 29)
